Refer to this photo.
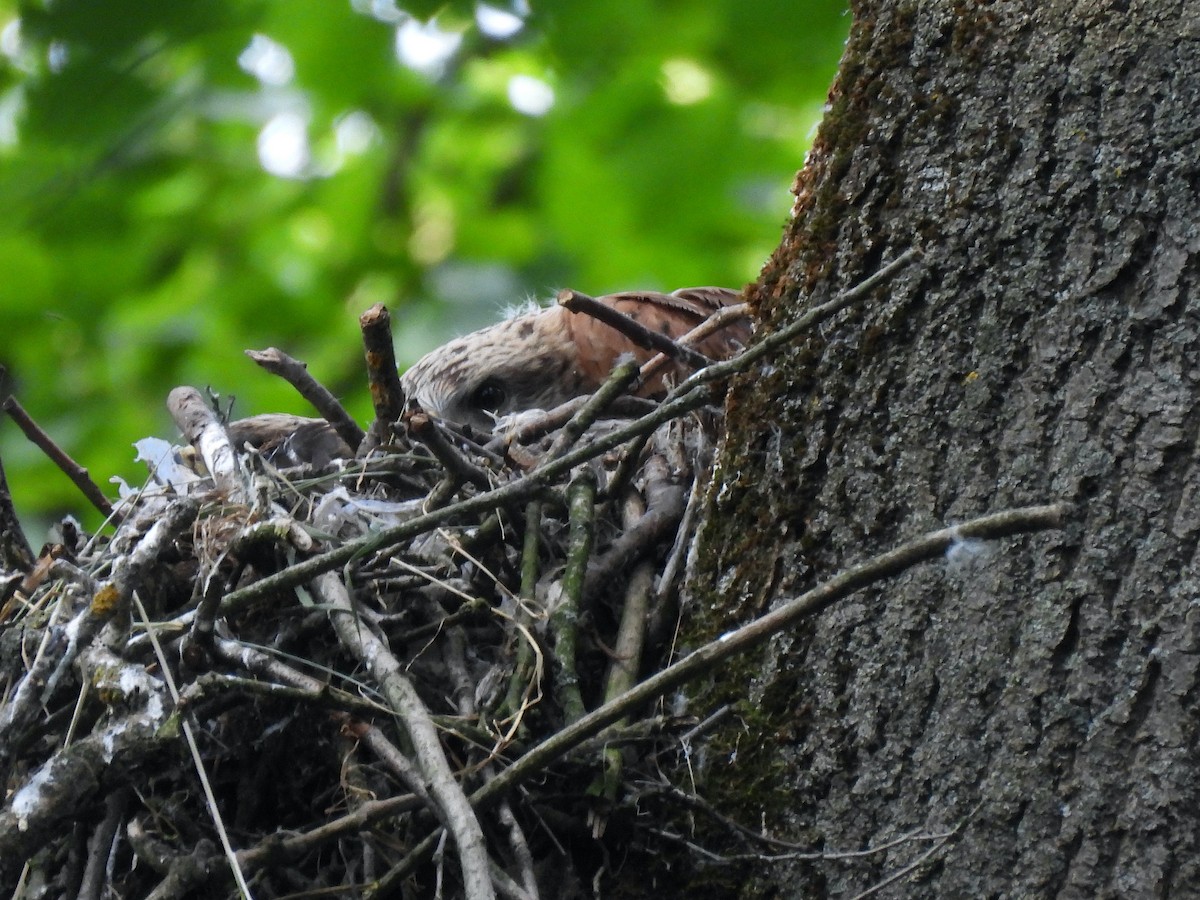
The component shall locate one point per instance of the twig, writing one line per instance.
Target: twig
(216, 684)
(388, 884)
(472, 609)
(720, 319)
(396, 762)
(182, 873)
(78, 474)
(356, 788)
(445, 489)
(297, 375)
(518, 683)
(506, 886)
(627, 654)
(311, 689)
(100, 846)
(711, 721)
(408, 706)
(627, 649)
(773, 341)
(454, 654)
(520, 849)
(627, 467)
(199, 639)
(564, 618)
(464, 436)
(792, 850)
(938, 846)
(293, 846)
(535, 424)
(665, 609)
(201, 427)
(387, 396)
(638, 333)
(616, 384)
(665, 505)
(15, 552)
(799, 854)
(428, 431)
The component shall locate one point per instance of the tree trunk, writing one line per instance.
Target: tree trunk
(1033, 701)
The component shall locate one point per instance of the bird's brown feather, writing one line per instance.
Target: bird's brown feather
(544, 358)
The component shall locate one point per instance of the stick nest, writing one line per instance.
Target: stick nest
(337, 665)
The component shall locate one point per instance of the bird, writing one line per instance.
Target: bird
(281, 439)
(287, 440)
(541, 359)
(536, 360)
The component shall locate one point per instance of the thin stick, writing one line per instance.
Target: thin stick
(429, 432)
(100, 845)
(399, 764)
(615, 385)
(912, 866)
(387, 396)
(518, 682)
(645, 337)
(666, 502)
(550, 419)
(15, 552)
(722, 318)
(287, 845)
(564, 620)
(307, 688)
(772, 342)
(627, 654)
(296, 373)
(520, 850)
(78, 474)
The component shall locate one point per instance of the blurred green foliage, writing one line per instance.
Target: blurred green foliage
(180, 181)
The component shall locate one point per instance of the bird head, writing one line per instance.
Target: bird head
(518, 364)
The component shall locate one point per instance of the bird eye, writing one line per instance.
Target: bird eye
(489, 396)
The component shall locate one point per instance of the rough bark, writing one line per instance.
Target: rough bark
(1041, 694)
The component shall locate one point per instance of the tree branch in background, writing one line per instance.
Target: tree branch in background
(78, 474)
